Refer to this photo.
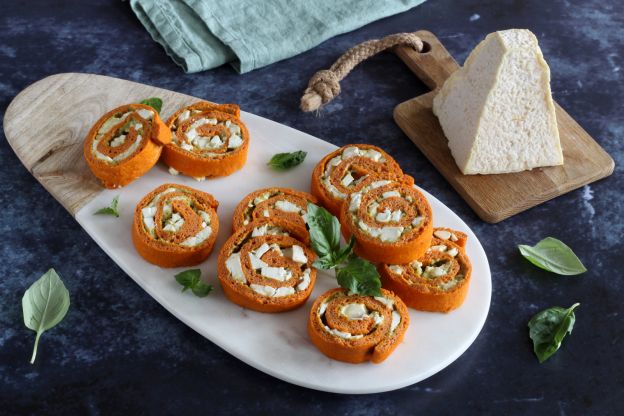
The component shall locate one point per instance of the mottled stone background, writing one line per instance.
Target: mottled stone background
(119, 352)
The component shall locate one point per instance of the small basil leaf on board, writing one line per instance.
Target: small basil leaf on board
(112, 209)
(44, 305)
(359, 276)
(324, 231)
(553, 255)
(154, 102)
(191, 279)
(285, 161)
(548, 328)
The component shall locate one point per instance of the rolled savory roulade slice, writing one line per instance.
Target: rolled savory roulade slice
(437, 282)
(272, 202)
(391, 222)
(356, 328)
(125, 143)
(454, 236)
(266, 266)
(175, 225)
(349, 169)
(208, 140)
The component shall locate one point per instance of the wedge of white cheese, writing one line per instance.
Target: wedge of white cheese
(497, 111)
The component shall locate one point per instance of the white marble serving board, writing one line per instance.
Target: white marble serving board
(278, 344)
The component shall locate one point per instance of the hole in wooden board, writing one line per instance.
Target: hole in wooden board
(426, 47)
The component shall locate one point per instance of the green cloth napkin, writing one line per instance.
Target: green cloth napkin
(249, 34)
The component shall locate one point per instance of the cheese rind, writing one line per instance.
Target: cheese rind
(497, 110)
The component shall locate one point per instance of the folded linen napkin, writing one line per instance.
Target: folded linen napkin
(249, 34)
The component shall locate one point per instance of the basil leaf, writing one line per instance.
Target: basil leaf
(324, 231)
(154, 102)
(359, 276)
(345, 252)
(188, 278)
(191, 279)
(553, 255)
(44, 305)
(201, 289)
(285, 161)
(112, 209)
(548, 328)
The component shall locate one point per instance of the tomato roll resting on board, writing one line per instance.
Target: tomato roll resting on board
(208, 140)
(266, 266)
(125, 143)
(272, 202)
(436, 282)
(391, 222)
(175, 225)
(348, 170)
(357, 328)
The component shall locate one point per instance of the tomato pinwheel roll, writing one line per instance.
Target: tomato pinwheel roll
(356, 328)
(436, 282)
(454, 236)
(125, 143)
(349, 169)
(266, 266)
(272, 202)
(175, 225)
(208, 140)
(391, 222)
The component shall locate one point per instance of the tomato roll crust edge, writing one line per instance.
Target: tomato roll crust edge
(174, 253)
(207, 161)
(367, 160)
(137, 162)
(437, 282)
(274, 253)
(272, 202)
(398, 203)
(367, 323)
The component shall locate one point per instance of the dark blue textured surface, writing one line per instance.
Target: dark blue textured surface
(119, 352)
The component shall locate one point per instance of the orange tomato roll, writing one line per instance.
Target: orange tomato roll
(125, 143)
(349, 169)
(175, 225)
(356, 328)
(436, 282)
(454, 236)
(266, 266)
(272, 202)
(391, 222)
(208, 140)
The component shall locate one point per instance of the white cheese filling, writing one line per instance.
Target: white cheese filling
(348, 179)
(197, 141)
(287, 206)
(121, 139)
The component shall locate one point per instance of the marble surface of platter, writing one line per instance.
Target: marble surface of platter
(278, 344)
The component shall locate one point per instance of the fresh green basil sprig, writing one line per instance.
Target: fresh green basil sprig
(352, 273)
(154, 102)
(553, 255)
(191, 279)
(112, 209)
(285, 161)
(45, 304)
(548, 328)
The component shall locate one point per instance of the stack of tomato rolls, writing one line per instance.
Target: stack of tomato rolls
(285, 203)
(437, 281)
(175, 225)
(357, 328)
(349, 169)
(208, 140)
(266, 266)
(125, 143)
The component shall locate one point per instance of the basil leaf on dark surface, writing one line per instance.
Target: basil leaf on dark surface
(154, 102)
(548, 328)
(112, 209)
(554, 256)
(44, 305)
(285, 161)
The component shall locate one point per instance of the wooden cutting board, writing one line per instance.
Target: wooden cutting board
(493, 197)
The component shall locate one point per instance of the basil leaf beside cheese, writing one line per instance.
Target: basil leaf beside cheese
(154, 102)
(112, 209)
(359, 276)
(324, 231)
(44, 305)
(548, 328)
(191, 279)
(285, 161)
(554, 256)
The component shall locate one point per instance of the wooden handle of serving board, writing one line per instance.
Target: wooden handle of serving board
(433, 65)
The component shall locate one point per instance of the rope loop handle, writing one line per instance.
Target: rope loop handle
(324, 86)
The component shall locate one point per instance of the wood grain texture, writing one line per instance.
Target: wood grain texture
(494, 197)
(46, 124)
